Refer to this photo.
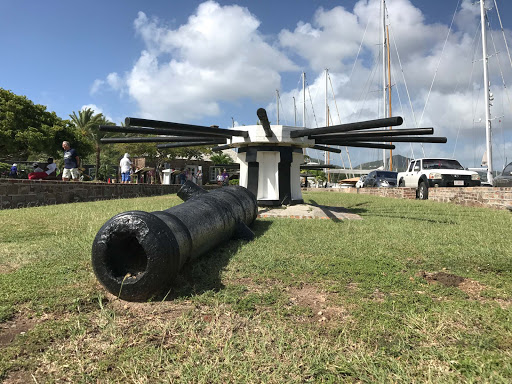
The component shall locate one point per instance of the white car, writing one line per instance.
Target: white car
(360, 182)
(423, 174)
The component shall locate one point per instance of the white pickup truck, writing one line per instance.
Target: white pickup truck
(423, 174)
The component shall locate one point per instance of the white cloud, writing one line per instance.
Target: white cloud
(96, 86)
(218, 55)
(115, 81)
(97, 110)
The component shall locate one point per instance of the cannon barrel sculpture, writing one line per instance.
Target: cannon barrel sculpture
(136, 255)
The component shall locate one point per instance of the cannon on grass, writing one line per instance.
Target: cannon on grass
(136, 255)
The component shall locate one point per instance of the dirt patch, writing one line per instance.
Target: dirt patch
(19, 377)
(470, 287)
(309, 296)
(446, 279)
(19, 325)
(162, 309)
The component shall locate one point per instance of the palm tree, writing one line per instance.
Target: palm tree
(221, 158)
(89, 124)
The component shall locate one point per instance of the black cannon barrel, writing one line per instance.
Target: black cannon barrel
(381, 132)
(262, 115)
(221, 148)
(186, 128)
(327, 149)
(318, 166)
(153, 139)
(136, 255)
(369, 124)
(155, 131)
(190, 144)
(360, 144)
(397, 139)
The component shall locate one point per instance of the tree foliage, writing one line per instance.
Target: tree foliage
(221, 158)
(88, 124)
(29, 130)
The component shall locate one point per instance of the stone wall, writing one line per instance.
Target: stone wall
(397, 193)
(30, 193)
(499, 198)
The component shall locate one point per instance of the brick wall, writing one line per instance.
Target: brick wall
(397, 193)
(499, 198)
(31, 193)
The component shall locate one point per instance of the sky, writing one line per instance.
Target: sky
(217, 62)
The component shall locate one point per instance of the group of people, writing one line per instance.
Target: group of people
(71, 162)
(223, 178)
(187, 175)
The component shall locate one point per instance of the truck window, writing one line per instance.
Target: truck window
(508, 170)
(411, 166)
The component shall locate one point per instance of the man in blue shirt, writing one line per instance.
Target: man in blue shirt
(71, 161)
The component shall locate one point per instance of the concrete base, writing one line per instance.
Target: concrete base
(307, 211)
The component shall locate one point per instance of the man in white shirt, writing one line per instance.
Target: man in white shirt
(126, 165)
(51, 168)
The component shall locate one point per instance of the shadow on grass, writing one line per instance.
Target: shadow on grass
(328, 210)
(203, 274)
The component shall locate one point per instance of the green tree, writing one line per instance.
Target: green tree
(221, 158)
(89, 125)
(28, 130)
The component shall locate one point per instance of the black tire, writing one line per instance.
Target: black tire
(423, 191)
(401, 183)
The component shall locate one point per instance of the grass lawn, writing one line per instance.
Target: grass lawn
(415, 292)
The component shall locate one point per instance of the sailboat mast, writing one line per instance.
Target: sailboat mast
(487, 94)
(294, 113)
(326, 154)
(304, 99)
(304, 110)
(277, 102)
(389, 97)
(383, 31)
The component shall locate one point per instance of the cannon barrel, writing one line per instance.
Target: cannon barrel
(370, 124)
(160, 131)
(360, 144)
(262, 115)
(136, 255)
(185, 128)
(156, 139)
(326, 149)
(381, 132)
(397, 139)
(182, 144)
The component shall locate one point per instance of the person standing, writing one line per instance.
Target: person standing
(51, 168)
(220, 178)
(71, 161)
(126, 166)
(14, 171)
(225, 177)
(199, 176)
(183, 177)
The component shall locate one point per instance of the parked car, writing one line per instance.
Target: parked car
(381, 179)
(423, 174)
(360, 182)
(505, 179)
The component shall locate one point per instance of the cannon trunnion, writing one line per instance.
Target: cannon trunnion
(136, 255)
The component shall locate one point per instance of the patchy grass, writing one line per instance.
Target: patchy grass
(417, 291)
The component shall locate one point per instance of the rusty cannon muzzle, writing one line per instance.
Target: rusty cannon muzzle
(136, 255)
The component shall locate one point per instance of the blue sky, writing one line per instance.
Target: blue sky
(206, 62)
